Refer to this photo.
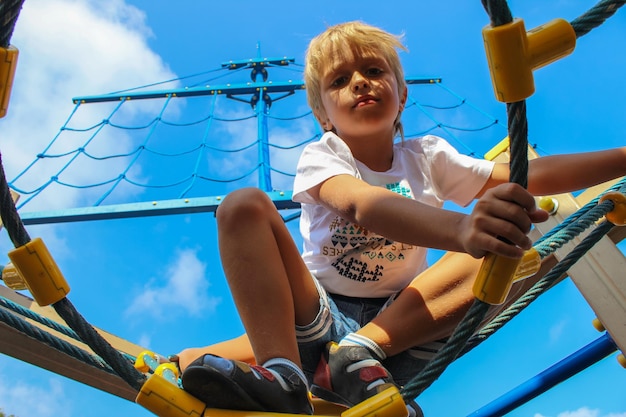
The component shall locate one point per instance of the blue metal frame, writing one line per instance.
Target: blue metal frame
(282, 200)
(557, 373)
(227, 89)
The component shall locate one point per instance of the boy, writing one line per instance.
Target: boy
(359, 310)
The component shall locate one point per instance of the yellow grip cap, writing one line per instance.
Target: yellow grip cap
(495, 278)
(41, 273)
(617, 216)
(12, 278)
(8, 63)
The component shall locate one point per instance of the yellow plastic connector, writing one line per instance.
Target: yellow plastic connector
(597, 324)
(549, 204)
(617, 216)
(12, 278)
(169, 371)
(167, 400)
(41, 273)
(388, 403)
(621, 359)
(8, 63)
(498, 273)
(513, 54)
(146, 361)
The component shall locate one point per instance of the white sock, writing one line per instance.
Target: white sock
(353, 339)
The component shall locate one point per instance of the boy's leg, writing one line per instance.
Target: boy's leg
(273, 291)
(238, 348)
(435, 302)
(429, 308)
(272, 288)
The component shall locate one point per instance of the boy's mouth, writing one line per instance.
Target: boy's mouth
(364, 101)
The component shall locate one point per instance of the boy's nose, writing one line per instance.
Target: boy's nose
(359, 81)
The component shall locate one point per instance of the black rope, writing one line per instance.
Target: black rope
(92, 338)
(448, 353)
(10, 218)
(518, 135)
(498, 11)
(9, 11)
(595, 16)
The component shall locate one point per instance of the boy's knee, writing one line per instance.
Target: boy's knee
(245, 203)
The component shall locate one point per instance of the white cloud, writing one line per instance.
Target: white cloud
(584, 412)
(69, 48)
(184, 288)
(556, 331)
(22, 399)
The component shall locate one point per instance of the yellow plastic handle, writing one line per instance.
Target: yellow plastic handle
(498, 273)
(8, 63)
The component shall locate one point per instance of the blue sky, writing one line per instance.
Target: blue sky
(157, 281)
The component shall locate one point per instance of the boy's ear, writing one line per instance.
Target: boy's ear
(323, 120)
(403, 98)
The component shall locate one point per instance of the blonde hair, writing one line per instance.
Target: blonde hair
(357, 37)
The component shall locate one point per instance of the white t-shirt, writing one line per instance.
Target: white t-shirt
(350, 260)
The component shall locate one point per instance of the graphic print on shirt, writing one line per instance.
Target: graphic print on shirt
(361, 254)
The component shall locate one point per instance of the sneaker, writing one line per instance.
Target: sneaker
(348, 375)
(234, 385)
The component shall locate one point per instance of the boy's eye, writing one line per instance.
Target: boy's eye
(374, 71)
(339, 81)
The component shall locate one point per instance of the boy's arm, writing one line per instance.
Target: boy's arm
(566, 173)
(506, 211)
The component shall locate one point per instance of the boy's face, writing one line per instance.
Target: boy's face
(360, 97)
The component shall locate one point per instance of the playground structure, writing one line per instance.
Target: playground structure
(603, 263)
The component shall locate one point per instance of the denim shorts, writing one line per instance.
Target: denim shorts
(340, 315)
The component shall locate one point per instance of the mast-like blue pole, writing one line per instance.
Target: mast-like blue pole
(262, 109)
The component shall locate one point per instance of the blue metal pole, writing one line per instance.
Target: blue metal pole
(557, 373)
(265, 177)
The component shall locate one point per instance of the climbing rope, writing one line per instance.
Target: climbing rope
(28, 313)
(46, 338)
(9, 11)
(595, 16)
